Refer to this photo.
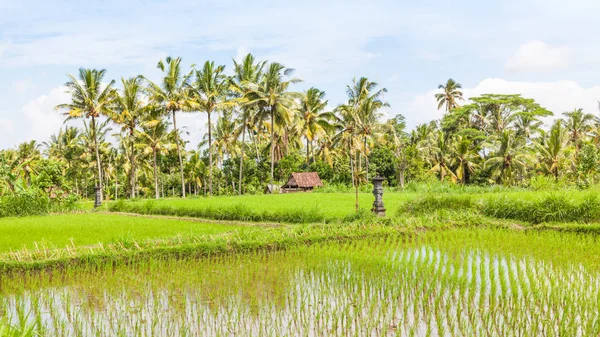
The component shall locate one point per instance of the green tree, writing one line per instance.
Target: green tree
(272, 96)
(450, 95)
(208, 93)
(247, 72)
(315, 122)
(553, 149)
(129, 111)
(90, 98)
(508, 158)
(579, 124)
(171, 95)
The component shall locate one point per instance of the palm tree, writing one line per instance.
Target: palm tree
(450, 95)
(578, 124)
(508, 157)
(315, 122)
(438, 155)
(208, 93)
(28, 156)
(89, 100)
(271, 95)
(154, 138)
(171, 96)
(247, 72)
(130, 109)
(365, 102)
(554, 148)
(465, 158)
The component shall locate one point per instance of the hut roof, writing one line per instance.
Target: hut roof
(306, 179)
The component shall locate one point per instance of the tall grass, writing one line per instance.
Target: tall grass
(533, 209)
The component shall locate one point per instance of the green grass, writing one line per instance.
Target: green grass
(517, 204)
(93, 228)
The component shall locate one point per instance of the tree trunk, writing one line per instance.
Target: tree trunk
(351, 164)
(116, 185)
(98, 164)
(132, 170)
(242, 156)
(179, 154)
(210, 157)
(307, 153)
(366, 158)
(155, 176)
(272, 144)
(356, 195)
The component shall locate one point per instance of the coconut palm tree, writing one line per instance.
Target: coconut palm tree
(465, 158)
(171, 95)
(247, 72)
(154, 138)
(90, 98)
(208, 93)
(272, 97)
(129, 110)
(438, 155)
(554, 149)
(450, 95)
(28, 157)
(315, 122)
(508, 158)
(578, 124)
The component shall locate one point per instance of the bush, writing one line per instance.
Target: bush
(36, 202)
(28, 202)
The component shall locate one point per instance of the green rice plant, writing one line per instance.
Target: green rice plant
(492, 282)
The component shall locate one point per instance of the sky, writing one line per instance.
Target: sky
(548, 50)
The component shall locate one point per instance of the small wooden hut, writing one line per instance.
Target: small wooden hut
(302, 182)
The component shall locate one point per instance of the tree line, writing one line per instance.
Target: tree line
(259, 130)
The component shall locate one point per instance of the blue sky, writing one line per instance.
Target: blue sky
(547, 50)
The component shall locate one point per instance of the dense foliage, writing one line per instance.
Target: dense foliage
(259, 131)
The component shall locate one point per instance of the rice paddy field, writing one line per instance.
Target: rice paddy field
(476, 282)
(518, 263)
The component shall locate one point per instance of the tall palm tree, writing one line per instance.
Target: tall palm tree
(272, 96)
(171, 96)
(450, 95)
(129, 111)
(208, 93)
(578, 124)
(554, 148)
(247, 72)
(315, 121)
(365, 102)
(90, 98)
(155, 139)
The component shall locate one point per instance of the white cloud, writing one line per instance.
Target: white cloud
(539, 56)
(43, 120)
(22, 86)
(558, 97)
(6, 125)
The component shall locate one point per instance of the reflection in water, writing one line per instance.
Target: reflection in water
(368, 287)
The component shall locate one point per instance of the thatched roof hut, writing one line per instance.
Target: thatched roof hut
(302, 182)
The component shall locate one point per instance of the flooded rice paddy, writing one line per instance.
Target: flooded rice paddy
(448, 283)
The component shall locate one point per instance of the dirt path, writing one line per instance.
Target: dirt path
(207, 221)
